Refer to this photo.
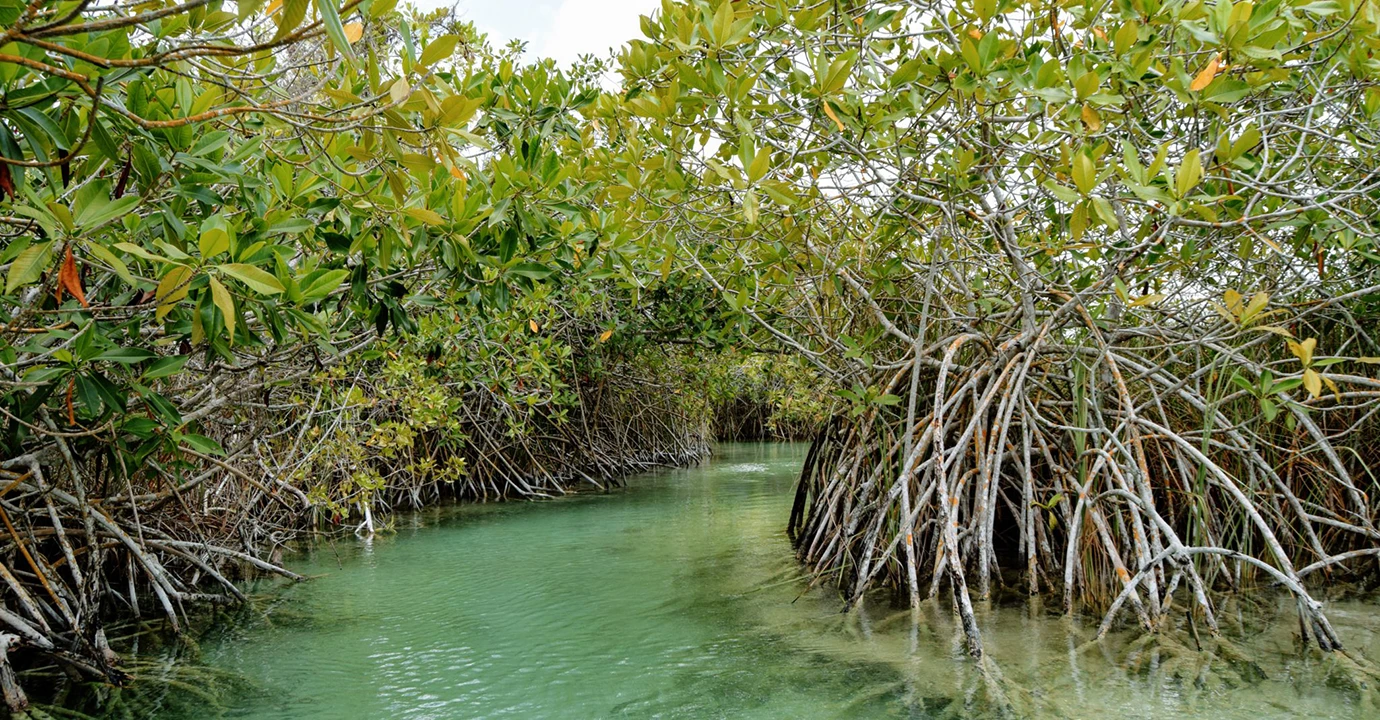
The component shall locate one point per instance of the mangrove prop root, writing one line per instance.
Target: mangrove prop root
(86, 537)
(1119, 477)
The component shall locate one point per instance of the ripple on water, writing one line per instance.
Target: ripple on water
(675, 598)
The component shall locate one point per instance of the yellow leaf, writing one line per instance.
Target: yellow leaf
(1274, 329)
(1190, 172)
(221, 297)
(1308, 346)
(1091, 119)
(1146, 300)
(604, 336)
(353, 32)
(1233, 300)
(198, 330)
(399, 91)
(830, 112)
(1257, 303)
(171, 289)
(1207, 74)
(1084, 173)
(533, 324)
(1312, 382)
(429, 217)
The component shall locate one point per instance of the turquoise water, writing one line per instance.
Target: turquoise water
(679, 597)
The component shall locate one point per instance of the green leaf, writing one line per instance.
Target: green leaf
(438, 49)
(164, 367)
(258, 280)
(64, 215)
(970, 55)
(215, 237)
(125, 356)
(141, 427)
(248, 7)
(1063, 192)
(322, 286)
(1104, 210)
(1084, 173)
(1190, 172)
(12, 251)
(202, 444)
(781, 192)
(534, 271)
(44, 218)
(760, 165)
(330, 17)
(289, 17)
(95, 215)
(29, 266)
(137, 251)
(429, 217)
(109, 258)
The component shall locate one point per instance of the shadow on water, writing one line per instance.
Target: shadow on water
(679, 597)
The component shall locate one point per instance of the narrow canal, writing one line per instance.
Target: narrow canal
(679, 597)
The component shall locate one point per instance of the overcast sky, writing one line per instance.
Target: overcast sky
(560, 29)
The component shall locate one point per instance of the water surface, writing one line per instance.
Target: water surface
(679, 597)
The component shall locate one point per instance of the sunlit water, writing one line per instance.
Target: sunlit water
(679, 597)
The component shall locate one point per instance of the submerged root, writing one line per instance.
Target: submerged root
(1359, 677)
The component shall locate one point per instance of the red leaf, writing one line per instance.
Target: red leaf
(70, 280)
(6, 181)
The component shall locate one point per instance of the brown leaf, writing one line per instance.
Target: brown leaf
(71, 411)
(69, 279)
(1209, 72)
(124, 179)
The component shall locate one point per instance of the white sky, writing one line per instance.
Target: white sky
(560, 29)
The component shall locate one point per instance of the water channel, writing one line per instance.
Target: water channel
(679, 597)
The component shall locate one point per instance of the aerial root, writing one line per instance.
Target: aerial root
(1083, 468)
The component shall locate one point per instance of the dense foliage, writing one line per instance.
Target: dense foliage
(1082, 291)
(1095, 280)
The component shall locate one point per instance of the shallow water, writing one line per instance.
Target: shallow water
(679, 597)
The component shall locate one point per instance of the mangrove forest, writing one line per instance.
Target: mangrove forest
(835, 358)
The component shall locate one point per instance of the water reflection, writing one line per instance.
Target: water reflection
(679, 597)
